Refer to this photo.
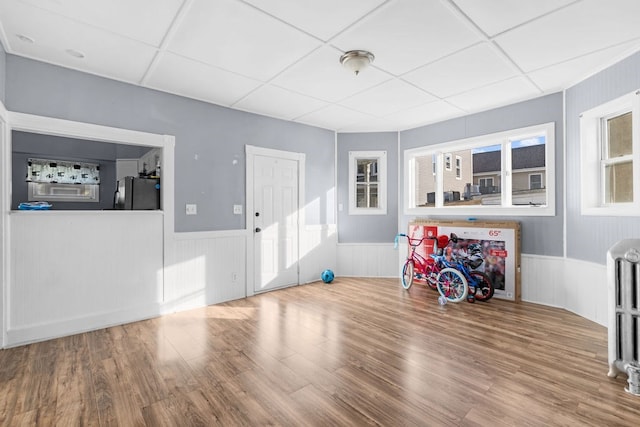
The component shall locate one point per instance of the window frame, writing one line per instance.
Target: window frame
(506, 208)
(381, 157)
(592, 163)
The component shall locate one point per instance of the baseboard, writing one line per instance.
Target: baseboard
(30, 334)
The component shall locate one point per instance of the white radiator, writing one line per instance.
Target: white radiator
(623, 270)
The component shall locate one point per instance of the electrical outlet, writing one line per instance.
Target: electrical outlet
(192, 209)
(234, 277)
(237, 209)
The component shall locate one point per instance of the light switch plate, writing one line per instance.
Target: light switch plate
(192, 209)
(237, 209)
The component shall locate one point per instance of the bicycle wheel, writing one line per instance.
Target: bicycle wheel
(483, 288)
(452, 285)
(407, 274)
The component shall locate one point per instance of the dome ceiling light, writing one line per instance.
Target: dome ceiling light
(356, 60)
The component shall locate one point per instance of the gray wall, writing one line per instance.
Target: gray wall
(215, 135)
(540, 235)
(3, 72)
(367, 228)
(25, 145)
(588, 237)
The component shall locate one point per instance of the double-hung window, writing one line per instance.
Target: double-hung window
(367, 182)
(506, 173)
(610, 149)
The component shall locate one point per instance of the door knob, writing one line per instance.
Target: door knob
(258, 229)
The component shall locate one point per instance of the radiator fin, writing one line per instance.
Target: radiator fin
(623, 264)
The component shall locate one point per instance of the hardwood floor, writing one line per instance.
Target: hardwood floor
(356, 352)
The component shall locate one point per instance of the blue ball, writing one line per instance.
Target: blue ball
(327, 276)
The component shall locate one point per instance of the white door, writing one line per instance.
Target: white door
(275, 222)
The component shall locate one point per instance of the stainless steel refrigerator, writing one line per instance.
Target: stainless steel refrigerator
(137, 194)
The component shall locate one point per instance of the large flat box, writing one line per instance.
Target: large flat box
(499, 242)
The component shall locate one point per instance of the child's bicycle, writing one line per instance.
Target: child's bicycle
(480, 285)
(449, 282)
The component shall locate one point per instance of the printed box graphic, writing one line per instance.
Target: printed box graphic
(492, 248)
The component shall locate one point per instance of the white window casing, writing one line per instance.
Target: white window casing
(506, 203)
(379, 159)
(593, 161)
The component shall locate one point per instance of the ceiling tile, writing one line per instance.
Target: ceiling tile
(370, 124)
(563, 75)
(389, 97)
(496, 16)
(106, 54)
(404, 35)
(143, 20)
(501, 93)
(196, 80)
(289, 105)
(320, 75)
(574, 31)
(333, 117)
(319, 18)
(476, 66)
(280, 58)
(425, 114)
(237, 37)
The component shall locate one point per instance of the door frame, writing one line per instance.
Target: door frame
(250, 153)
(5, 205)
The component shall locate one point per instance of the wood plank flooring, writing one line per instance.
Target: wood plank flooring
(355, 352)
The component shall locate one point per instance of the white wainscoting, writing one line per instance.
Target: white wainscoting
(77, 271)
(369, 260)
(317, 251)
(577, 286)
(204, 268)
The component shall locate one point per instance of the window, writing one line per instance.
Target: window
(497, 174)
(609, 157)
(367, 183)
(63, 181)
(535, 181)
(485, 182)
(617, 159)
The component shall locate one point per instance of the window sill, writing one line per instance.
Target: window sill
(631, 210)
(367, 212)
(488, 211)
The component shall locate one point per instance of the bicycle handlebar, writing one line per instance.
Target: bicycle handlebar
(395, 241)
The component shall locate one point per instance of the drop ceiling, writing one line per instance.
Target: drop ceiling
(434, 59)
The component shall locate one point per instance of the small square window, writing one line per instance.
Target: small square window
(535, 181)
